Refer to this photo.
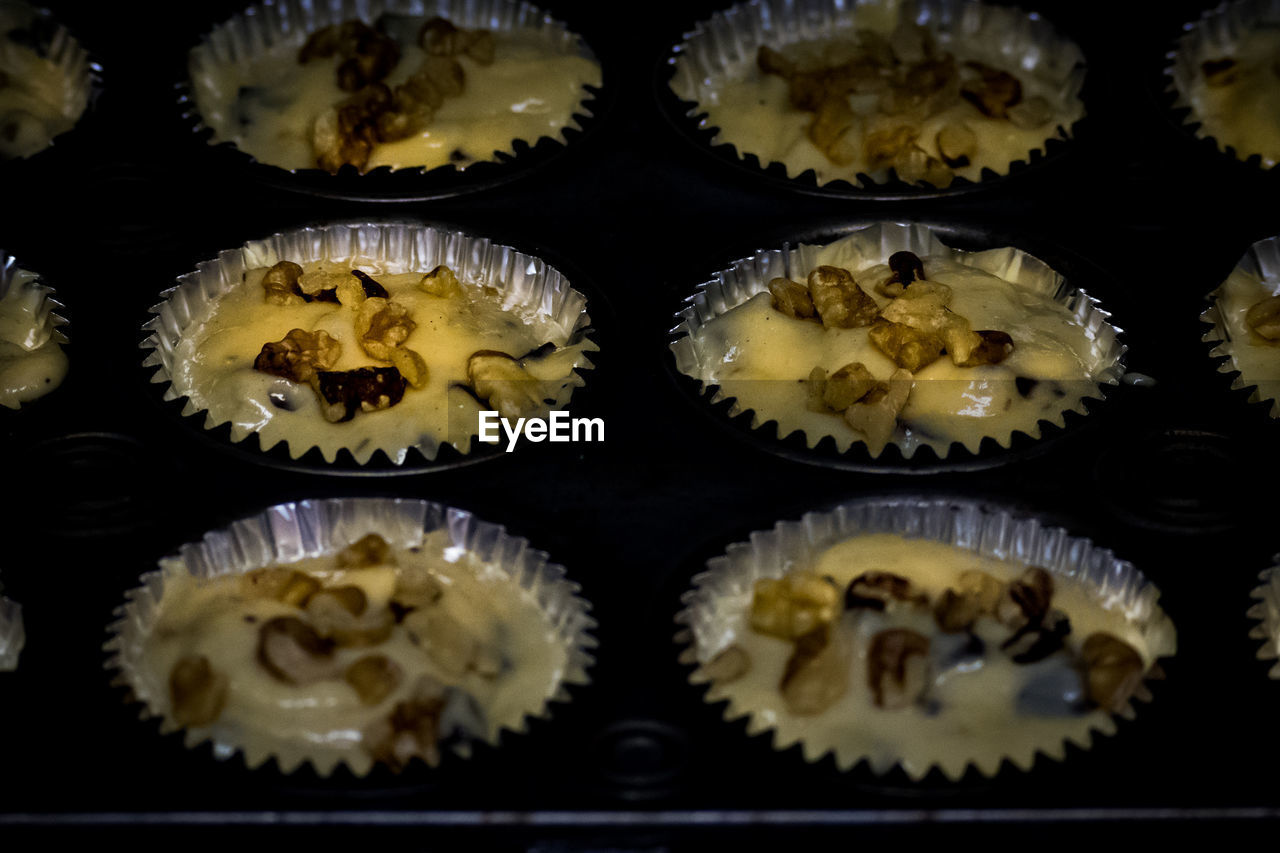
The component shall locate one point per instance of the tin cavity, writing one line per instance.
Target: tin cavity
(558, 427)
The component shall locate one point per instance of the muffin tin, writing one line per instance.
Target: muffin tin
(104, 481)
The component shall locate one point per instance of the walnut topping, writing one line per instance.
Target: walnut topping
(440, 37)
(374, 678)
(365, 389)
(299, 355)
(292, 652)
(791, 298)
(197, 692)
(793, 605)
(1026, 600)
(977, 594)
(370, 285)
(817, 673)
(876, 415)
(287, 586)
(883, 146)
(382, 325)
(1113, 670)
(874, 591)
(839, 301)
(1219, 72)
(897, 668)
(367, 55)
(992, 91)
(957, 144)
(502, 381)
(411, 366)
(411, 729)
(1031, 113)
(908, 347)
(453, 646)
(989, 347)
(1263, 317)
(847, 386)
(1036, 641)
(906, 267)
(281, 283)
(442, 282)
(729, 665)
(369, 550)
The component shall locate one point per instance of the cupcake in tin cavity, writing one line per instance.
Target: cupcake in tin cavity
(32, 362)
(931, 93)
(405, 86)
(12, 635)
(888, 337)
(1224, 72)
(45, 80)
(352, 632)
(1267, 613)
(924, 634)
(1244, 312)
(369, 337)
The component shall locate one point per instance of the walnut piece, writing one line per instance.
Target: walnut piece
(365, 389)
(839, 301)
(441, 282)
(792, 298)
(197, 692)
(992, 91)
(816, 674)
(793, 605)
(381, 326)
(1026, 600)
(374, 678)
(1263, 317)
(1113, 670)
(281, 283)
(897, 668)
(876, 415)
(411, 730)
(957, 144)
(1036, 641)
(847, 386)
(730, 664)
(288, 586)
(501, 381)
(874, 590)
(291, 651)
(369, 550)
(908, 347)
(299, 355)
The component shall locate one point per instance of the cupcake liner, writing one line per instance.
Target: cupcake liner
(56, 44)
(716, 47)
(1267, 613)
(263, 25)
(1261, 261)
(723, 593)
(1215, 33)
(875, 243)
(528, 285)
(12, 635)
(37, 321)
(290, 532)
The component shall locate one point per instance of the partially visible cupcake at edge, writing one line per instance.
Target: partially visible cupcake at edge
(44, 81)
(399, 91)
(918, 90)
(32, 362)
(1246, 319)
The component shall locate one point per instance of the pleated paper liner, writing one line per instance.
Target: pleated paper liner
(1229, 337)
(1215, 34)
(263, 25)
(1267, 614)
(286, 533)
(722, 594)
(36, 300)
(874, 243)
(528, 285)
(721, 43)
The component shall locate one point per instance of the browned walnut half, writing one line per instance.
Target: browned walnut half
(793, 605)
(876, 415)
(988, 346)
(441, 282)
(897, 668)
(299, 355)
(291, 651)
(278, 583)
(366, 55)
(1113, 670)
(908, 347)
(281, 283)
(197, 692)
(440, 37)
(875, 590)
(381, 326)
(792, 298)
(816, 674)
(840, 302)
(1026, 600)
(365, 389)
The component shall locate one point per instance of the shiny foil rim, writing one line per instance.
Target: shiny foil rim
(988, 530)
(1267, 613)
(528, 283)
(39, 297)
(749, 276)
(293, 531)
(1261, 260)
(732, 36)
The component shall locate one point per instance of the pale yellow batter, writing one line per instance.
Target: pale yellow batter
(214, 366)
(973, 715)
(762, 357)
(1236, 98)
(32, 362)
(326, 722)
(267, 105)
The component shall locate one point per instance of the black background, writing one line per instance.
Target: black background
(103, 478)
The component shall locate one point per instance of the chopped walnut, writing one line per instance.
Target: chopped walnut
(372, 289)
(793, 605)
(1035, 642)
(411, 730)
(440, 37)
(1219, 72)
(874, 591)
(197, 691)
(882, 145)
(986, 346)
(411, 366)
(956, 144)
(1113, 670)
(321, 285)
(381, 326)
(291, 651)
(909, 348)
(840, 302)
(817, 673)
(1026, 600)
(847, 386)
(992, 91)
(897, 668)
(281, 283)
(1263, 317)
(346, 135)
(976, 595)
(906, 267)
(729, 665)
(502, 381)
(342, 615)
(369, 550)
(367, 55)
(876, 415)
(287, 586)
(374, 678)
(441, 282)
(915, 165)
(365, 389)
(299, 355)
(792, 298)
(830, 127)
(1031, 113)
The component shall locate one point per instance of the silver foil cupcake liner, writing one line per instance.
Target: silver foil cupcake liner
(1216, 32)
(749, 276)
(727, 39)
(263, 25)
(290, 532)
(1267, 613)
(35, 300)
(12, 635)
(527, 284)
(725, 589)
(1262, 261)
(61, 48)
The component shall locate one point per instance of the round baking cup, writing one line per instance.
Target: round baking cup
(723, 593)
(526, 282)
(290, 532)
(1261, 261)
(733, 36)
(1267, 614)
(54, 42)
(1216, 32)
(749, 276)
(37, 301)
(263, 25)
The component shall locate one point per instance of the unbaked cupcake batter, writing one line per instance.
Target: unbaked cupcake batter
(1236, 96)
(1256, 356)
(32, 362)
